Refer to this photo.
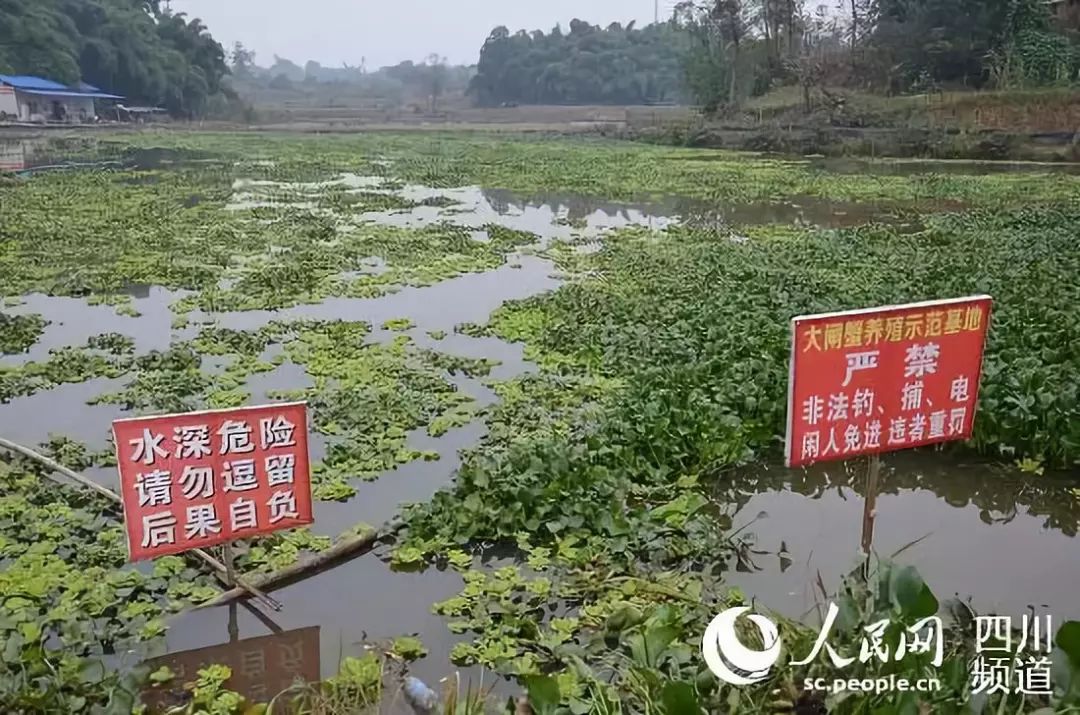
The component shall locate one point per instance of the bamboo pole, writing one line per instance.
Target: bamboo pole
(219, 568)
(345, 547)
(870, 509)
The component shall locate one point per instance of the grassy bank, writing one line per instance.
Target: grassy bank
(1036, 125)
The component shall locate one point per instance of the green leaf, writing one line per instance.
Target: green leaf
(1068, 640)
(657, 640)
(647, 649)
(408, 648)
(910, 594)
(544, 696)
(92, 672)
(679, 698)
(162, 675)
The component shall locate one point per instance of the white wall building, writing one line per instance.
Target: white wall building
(33, 99)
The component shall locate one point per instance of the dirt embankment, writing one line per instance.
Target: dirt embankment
(964, 125)
(1041, 126)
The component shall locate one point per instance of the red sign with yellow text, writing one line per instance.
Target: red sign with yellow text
(884, 379)
(204, 478)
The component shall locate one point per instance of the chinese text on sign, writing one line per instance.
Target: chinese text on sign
(206, 478)
(884, 379)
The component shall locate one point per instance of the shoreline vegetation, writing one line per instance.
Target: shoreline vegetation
(1018, 125)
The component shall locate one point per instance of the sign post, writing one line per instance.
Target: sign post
(234, 623)
(202, 479)
(873, 472)
(227, 558)
(866, 382)
(230, 579)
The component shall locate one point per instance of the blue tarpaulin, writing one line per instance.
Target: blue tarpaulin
(25, 82)
(69, 93)
(39, 86)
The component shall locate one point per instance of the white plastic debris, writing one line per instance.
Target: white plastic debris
(420, 697)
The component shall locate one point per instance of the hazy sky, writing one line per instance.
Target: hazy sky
(389, 31)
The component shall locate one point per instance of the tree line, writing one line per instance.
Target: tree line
(429, 79)
(719, 52)
(133, 48)
(586, 65)
(739, 48)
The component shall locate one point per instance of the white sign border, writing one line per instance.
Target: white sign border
(245, 408)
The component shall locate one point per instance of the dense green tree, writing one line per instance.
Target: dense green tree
(743, 47)
(33, 35)
(973, 43)
(587, 65)
(129, 47)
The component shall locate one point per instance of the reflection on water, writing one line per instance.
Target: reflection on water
(595, 214)
(360, 601)
(16, 155)
(72, 321)
(470, 297)
(63, 410)
(1005, 539)
(31, 154)
(261, 667)
(572, 214)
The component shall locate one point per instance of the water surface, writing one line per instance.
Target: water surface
(1005, 537)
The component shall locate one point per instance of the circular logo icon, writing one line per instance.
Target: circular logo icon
(725, 655)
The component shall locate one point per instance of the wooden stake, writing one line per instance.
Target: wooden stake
(219, 568)
(346, 547)
(227, 558)
(870, 509)
(234, 625)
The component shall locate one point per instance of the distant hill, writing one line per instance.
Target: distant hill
(427, 84)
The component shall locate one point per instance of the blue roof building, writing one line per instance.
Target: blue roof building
(34, 99)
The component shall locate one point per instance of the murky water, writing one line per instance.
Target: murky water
(72, 321)
(594, 215)
(470, 297)
(979, 522)
(362, 600)
(37, 154)
(1003, 538)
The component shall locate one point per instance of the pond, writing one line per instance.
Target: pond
(973, 529)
